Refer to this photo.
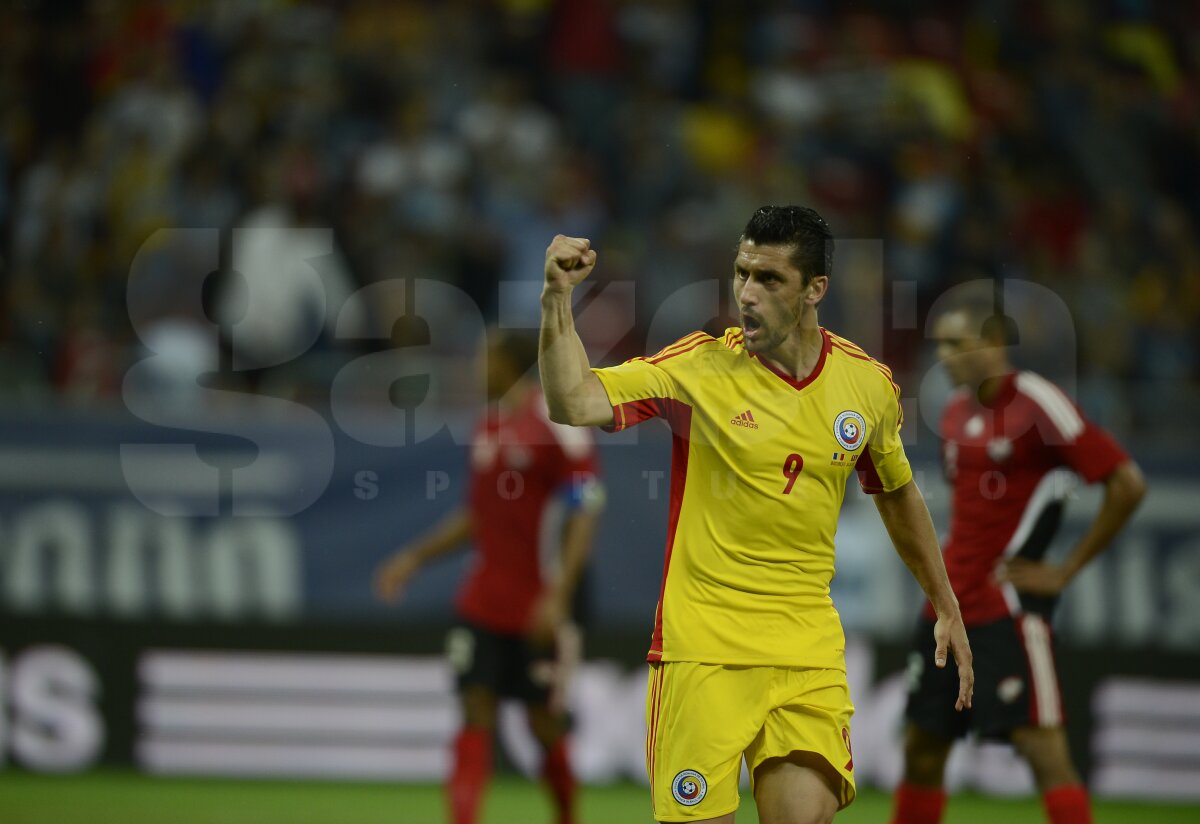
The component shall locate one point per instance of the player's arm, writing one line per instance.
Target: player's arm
(574, 395)
(1124, 489)
(394, 572)
(911, 529)
(555, 607)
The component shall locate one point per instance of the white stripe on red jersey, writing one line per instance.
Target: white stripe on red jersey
(1053, 402)
(1054, 486)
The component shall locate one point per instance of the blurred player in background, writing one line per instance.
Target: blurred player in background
(1013, 446)
(748, 656)
(515, 635)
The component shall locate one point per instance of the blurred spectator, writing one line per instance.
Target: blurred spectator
(450, 140)
(290, 281)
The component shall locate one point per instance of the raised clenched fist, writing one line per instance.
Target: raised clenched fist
(568, 261)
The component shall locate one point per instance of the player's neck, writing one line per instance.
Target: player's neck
(798, 354)
(990, 387)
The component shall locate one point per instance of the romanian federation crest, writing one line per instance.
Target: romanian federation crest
(689, 788)
(850, 429)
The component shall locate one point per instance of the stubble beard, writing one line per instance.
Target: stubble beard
(774, 335)
(767, 342)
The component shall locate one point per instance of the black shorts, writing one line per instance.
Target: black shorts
(509, 665)
(1016, 681)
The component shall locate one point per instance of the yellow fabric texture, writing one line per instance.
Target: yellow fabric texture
(701, 718)
(751, 549)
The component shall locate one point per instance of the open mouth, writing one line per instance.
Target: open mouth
(750, 327)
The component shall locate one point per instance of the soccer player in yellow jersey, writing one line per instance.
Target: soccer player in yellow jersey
(769, 421)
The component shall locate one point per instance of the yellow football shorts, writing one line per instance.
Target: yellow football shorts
(702, 718)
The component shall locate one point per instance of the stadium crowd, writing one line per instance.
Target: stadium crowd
(1054, 142)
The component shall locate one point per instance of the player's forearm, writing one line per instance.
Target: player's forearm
(1123, 492)
(908, 524)
(449, 533)
(573, 394)
(578, 534)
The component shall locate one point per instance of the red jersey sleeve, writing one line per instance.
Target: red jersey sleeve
(1083, 446)
(1094, 454)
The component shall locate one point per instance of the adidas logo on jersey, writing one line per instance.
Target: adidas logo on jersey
(745, 419)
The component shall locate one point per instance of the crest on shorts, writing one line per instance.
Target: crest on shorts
(849, 429)
(689, 788)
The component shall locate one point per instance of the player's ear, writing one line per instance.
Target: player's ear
(817, 287)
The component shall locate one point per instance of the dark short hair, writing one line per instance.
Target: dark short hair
(799, 227)
(980, 304)
(520, 346)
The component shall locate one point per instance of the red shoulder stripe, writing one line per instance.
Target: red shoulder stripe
(676, 353)
(887, 373)
(851, 348)
(686, 339)
(882, 367)
(850, 352)
(848, 344)
(883, 370)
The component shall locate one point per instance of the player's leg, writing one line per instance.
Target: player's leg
(791, 791)
(532, 674)
(549, 727)
(1042, 740)
(1048, 754)
(473, 655)
(700, 718)
(925, 756)
(933, 725)
(802, 766)
(479, 706)
(472, 768)
(921, 798)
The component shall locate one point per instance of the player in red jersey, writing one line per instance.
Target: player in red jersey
(1014, 446)
(512, 610)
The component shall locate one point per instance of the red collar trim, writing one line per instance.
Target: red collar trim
(812, 376)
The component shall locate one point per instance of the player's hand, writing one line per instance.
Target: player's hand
(393, 575)
(1033, 577)
(549, 615)
(950, 634)
(568, 261)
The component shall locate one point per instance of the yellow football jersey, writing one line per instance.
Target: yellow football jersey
(759, 467)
